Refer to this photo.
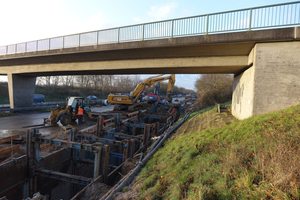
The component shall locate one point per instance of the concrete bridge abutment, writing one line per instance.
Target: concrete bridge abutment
(21, 90)
(271, 83)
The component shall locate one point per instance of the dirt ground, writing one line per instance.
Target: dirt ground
(130, 194)
(95, 191)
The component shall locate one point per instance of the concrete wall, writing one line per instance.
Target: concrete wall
(197, 65)
(242, 98)
(21, 90)
(277, 72)
(272, 83)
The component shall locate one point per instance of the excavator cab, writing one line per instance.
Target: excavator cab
(69, 113)
(130, 102)
(75, 102)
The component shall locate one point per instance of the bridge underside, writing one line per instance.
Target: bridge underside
(203, 48)
(265, 64)
(194, 65)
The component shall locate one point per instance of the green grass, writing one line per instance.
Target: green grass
(256, 158)
(3, 114)
(4, 100)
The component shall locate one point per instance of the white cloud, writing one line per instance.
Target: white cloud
(94, 22)
(35, 19)
(162, 11)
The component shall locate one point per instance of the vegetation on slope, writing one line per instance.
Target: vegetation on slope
(257, 158)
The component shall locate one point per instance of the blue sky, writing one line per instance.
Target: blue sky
(23, 21)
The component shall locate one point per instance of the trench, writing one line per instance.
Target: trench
(63, 165)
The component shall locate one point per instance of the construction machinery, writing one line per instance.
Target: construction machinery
(66, 114)
(129, 102)
(153, 97)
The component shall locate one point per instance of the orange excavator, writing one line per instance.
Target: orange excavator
(129, 102)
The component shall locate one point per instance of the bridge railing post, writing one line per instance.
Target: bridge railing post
(79, 40)
(143, 33)
(118, 35)
(97, 38)
(250, 19)
(207, 26)
(172, 29)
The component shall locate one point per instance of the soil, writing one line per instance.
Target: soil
(130, 194)
(95, 191)
(7, 157)
(129, 165)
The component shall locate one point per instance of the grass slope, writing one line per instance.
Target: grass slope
(256, 158)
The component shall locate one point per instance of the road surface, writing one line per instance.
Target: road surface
(13, 124)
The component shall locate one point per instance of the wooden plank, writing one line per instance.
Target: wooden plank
(106, 162)
(111, 119)
(99, 125)
(55, 135)
(7, 139)
(132, 143)
(45, 147)
(8, 149)
(146, 135)
(97, 163)
(108, 125)
(126, 150)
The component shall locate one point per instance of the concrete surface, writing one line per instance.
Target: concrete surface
(242, 97)
(220, 64)
(217, 53)
(21, 90)
(275, 75)
(224, 44)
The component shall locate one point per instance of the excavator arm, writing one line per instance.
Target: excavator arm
(140, 88)
(170, 85)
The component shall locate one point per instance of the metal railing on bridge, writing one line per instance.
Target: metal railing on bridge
(266, 17)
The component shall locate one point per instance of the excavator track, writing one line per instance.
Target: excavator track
(135, 108)
(117, 107)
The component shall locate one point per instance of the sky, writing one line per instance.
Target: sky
(27, 20)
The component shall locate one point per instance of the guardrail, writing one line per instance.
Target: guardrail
(265, 17)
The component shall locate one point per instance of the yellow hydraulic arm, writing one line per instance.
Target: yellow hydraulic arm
(140, 88)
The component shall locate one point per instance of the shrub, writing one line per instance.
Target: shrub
(214, 88)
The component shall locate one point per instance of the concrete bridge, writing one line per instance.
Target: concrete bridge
(266, 63)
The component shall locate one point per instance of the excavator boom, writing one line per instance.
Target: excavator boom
(140, 88)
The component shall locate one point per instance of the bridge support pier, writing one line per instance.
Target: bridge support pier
(271, 83)
(21, 90)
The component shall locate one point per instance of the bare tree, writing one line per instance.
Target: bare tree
(67, 80)
(40, 80)
(48, 81)
(55, 80)
(214, 88)
(110, 79)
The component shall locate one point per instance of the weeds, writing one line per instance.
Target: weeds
(257, 158)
